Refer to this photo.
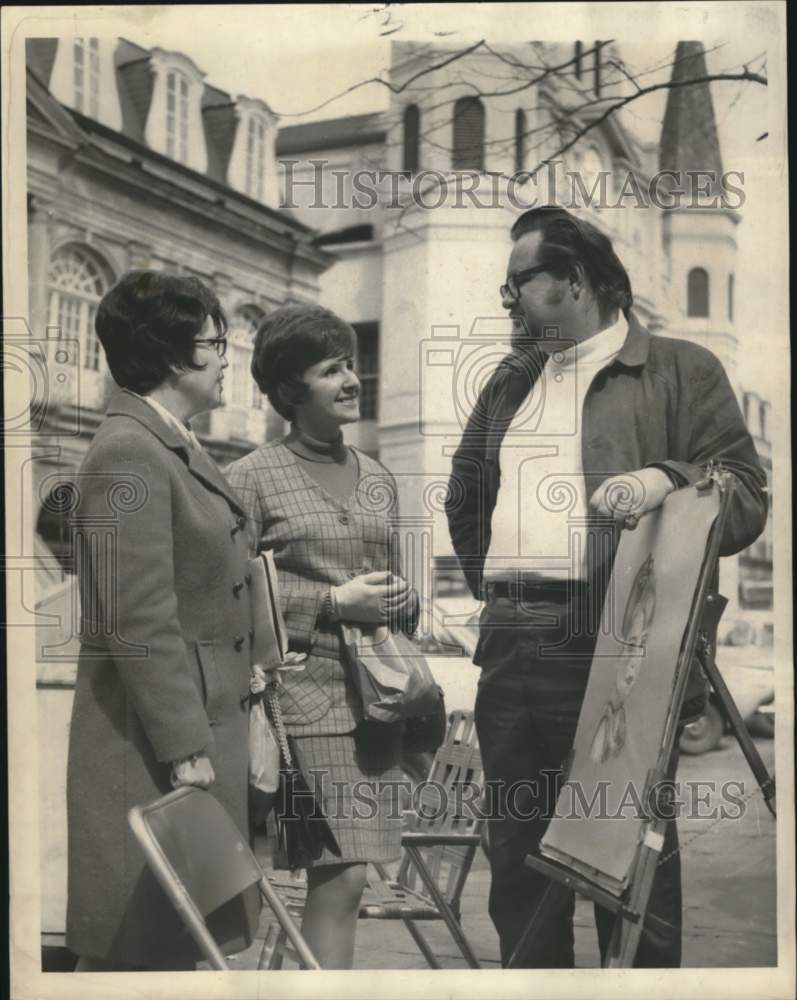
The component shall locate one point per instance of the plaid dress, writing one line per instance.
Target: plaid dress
(318, 542)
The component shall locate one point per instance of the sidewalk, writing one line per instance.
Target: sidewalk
(729, 888)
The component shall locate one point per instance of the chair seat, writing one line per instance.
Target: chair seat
(383, 899)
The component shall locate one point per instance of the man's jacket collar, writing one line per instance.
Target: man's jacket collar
(200, 464)
(635, 350)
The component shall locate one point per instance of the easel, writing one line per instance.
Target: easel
(630, 908)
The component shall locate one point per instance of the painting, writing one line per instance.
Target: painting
(600, 818)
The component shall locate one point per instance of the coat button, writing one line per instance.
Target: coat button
(238, 642)
(237, 588)
(248, 579)
(239, 525)
(343, 518)
(251, 633)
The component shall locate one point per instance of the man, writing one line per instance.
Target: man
(547, 471)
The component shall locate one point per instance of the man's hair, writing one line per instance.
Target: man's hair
(568, 239)
(148, 324)
(289, 341)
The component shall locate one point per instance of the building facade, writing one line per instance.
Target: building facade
(417, 203)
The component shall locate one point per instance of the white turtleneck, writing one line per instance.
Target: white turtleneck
(539, 521)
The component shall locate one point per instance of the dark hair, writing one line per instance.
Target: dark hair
(288, 342)
(148, 323)
(569, 239)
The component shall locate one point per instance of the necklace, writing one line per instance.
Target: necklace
(314, 450)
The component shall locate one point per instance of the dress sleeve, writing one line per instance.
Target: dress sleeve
(300, 606)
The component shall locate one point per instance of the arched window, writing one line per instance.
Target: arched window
(468, 134)
(730, 297)
(520, 140)
(243, 389)
(77, 281)
(412, 139)
(697, 292)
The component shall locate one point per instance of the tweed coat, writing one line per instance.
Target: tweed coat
(163, 673)
(318, 542)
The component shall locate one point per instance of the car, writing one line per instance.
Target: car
(745, 659)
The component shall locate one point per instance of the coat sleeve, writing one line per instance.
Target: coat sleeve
(131, 591)
(718, 434)
(467, 500)
(300, 606)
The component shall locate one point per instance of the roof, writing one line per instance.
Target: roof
(689, 139)
(333, 133)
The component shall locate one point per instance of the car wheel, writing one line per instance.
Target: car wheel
(704, 733)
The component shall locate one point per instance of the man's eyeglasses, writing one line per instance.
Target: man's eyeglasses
(517, 278)
(218, 343)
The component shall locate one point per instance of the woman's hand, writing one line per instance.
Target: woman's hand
(371, 597)
(195, 770)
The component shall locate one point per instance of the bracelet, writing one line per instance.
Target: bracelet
(329, 608)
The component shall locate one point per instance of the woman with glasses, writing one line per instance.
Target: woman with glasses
(163, 672)
(323, 508)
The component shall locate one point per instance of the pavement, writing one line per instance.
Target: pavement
(729, 884)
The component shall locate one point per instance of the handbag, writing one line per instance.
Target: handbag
(302, 828)
(390, 674)
(426, 733)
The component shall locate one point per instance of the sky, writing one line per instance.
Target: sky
(299, 58)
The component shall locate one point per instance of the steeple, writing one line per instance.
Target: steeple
(689, 138)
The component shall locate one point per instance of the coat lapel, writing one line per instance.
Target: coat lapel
(199, 463)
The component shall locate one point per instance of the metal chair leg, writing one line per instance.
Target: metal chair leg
(444, 909)
(423, 944)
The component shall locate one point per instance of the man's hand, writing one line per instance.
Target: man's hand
(632, 494)
(195, 770)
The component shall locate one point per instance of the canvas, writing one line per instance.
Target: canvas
(598, 823)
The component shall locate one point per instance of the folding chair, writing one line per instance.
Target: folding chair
(440, 843)
(201, 860)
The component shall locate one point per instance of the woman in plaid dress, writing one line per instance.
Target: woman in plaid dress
(323, 509)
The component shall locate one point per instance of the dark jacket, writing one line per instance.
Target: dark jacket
(163, 673)
(661, 402)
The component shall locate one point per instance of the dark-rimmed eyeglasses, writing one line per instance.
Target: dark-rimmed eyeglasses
(517, 278)
(219, 344)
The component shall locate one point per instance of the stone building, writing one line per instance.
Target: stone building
(417, 202)
(135, 161)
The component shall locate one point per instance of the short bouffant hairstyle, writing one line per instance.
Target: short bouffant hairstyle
(148, 324)
(567, 239)
(289, 341)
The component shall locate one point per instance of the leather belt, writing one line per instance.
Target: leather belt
(526, 592)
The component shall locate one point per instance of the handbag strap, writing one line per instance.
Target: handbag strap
(272, 697)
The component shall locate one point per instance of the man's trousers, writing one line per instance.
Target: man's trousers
(527, 708)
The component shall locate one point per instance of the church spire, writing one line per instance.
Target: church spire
(689, 138)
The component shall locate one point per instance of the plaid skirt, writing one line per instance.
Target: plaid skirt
(358, 779)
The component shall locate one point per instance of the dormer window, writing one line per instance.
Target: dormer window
(177, 116)
(83, 77)
(255, 157)
(174, 120)
(86, 75)
(252, 168)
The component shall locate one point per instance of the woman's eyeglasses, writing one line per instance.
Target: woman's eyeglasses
(517, 278)
(218, 343)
